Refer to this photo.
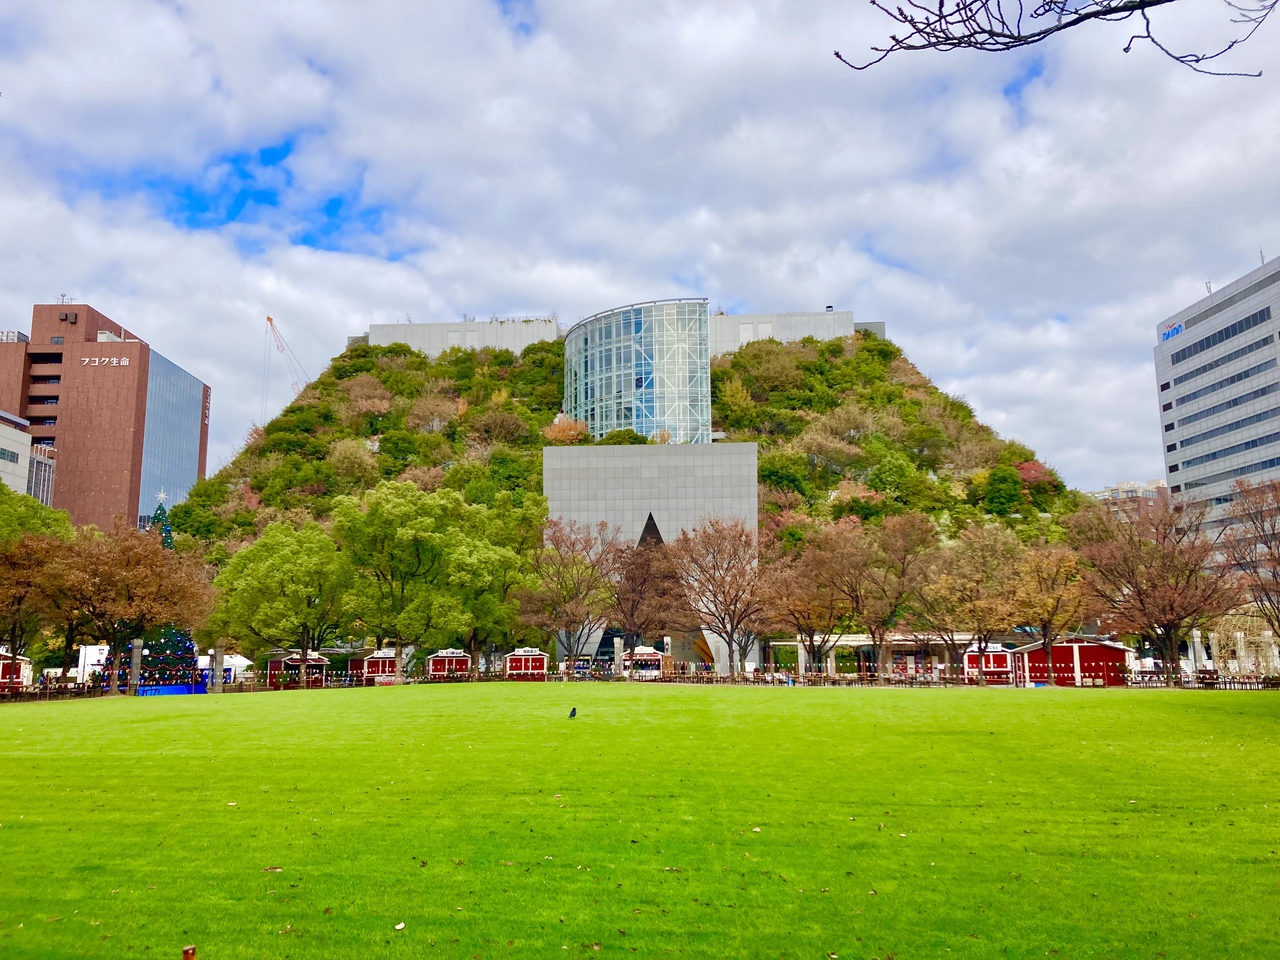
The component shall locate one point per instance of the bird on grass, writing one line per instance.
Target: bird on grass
(573, 713)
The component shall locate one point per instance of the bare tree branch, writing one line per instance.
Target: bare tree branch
(996, 25)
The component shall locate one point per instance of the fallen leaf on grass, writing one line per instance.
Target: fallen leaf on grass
(400, 925)
(273, 869)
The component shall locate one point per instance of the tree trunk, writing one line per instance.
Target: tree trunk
(304, 642)
(113, 662)
(135, 667)
(399, 677)
(1048, 658)
(884, 661)
(215, 665)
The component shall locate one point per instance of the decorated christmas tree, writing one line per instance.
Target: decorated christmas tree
(160, 521)
(169, 655)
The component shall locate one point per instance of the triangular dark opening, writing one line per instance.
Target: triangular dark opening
(650, 533)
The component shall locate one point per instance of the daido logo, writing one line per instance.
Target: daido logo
(1170, 331)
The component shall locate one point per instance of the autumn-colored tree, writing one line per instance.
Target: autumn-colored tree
(1052, 590)
(800, 599)
(648, 597)
(877, 570)
(974, 589)
(717, 565)
(1154, 572)
(124, 584)
(1252, 544)
(23, 566)
(574, 595)
(565, 431)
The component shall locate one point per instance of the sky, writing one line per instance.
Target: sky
(1020, 222)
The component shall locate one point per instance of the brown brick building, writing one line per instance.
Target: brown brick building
(128, 424)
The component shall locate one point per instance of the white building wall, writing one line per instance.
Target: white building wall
(15, 456)
(730, 331)
(434, 339)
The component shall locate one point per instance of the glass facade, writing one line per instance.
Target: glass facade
(171, 439)
(645, 366)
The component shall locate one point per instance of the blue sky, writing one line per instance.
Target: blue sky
(1020, 223)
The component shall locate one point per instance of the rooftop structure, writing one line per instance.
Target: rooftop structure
(433, 339)
(728, 332)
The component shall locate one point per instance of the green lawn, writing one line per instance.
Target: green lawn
(892, 823)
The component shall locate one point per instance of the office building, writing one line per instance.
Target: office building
(1126, 492)
(728, 332)
(25, 468)
(130, 426)
(1218, 384)
(433, 339)
(644, 367)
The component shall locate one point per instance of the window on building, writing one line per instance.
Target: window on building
(1168, 427)
(1173, 468)
(10, 455)
(1176, 488)
(56, 339)
(1166, 407)
(1164, 387)
(1170, 448)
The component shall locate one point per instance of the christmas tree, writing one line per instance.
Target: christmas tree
(169, 655)
(160, 521)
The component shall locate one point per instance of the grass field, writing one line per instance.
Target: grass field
(905, 824)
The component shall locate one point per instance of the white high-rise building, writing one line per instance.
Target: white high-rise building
(1218, 383)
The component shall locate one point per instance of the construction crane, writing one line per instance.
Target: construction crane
(297, 376)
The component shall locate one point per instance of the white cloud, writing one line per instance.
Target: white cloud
(1020, 248)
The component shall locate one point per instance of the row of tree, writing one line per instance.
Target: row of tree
(1152, 571)
(399, 565)
(113, 589)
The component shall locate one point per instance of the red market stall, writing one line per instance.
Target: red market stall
(1077, 662)
(526, 663)
(284, 667)
(373, 666)
(14, 675)
(994, 667)
(643, 663)
(449, 665)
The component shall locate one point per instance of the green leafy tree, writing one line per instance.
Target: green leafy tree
(20, 514)
(1004, 491)
(414, 560)
(285, 588)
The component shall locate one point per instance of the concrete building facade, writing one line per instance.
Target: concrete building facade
(433, 339)
(1218, 385)
(728, 332)
(129, 425)
(657, 488)
(25, 468)
(644, 367)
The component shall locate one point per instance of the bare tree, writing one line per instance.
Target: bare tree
(648, 597)
(877, 570)
(1252, 544)
(798, 598)
(1155, 573)
(999, 25)
(575, 593)
(1052, 594)
(717, 565)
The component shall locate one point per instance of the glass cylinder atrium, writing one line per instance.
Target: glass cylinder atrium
(645, 366)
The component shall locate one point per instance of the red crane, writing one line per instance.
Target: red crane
(297, 376)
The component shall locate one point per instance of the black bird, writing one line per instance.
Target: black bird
(573, 713)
